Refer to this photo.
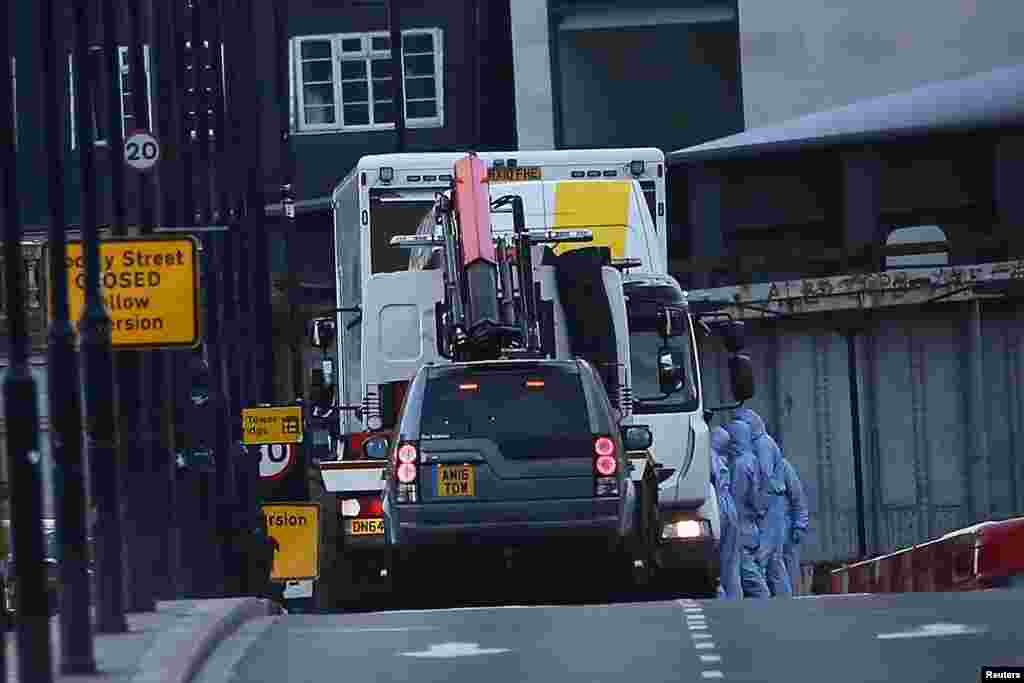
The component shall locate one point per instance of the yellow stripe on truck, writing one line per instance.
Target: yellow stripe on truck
(598, 205)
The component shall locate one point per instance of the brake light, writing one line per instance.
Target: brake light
(605, 462)
(406, 461)
(605, 465)
(371, 507)
(534, 384)
(407, 473)
(469, 387)
(366, 507)
(407, 453)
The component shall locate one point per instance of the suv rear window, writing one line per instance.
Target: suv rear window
(540, 412)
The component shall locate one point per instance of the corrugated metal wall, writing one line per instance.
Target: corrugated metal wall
(933, 459)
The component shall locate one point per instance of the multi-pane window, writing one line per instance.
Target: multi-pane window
(345, 81)
(99, 98)
(211, 86)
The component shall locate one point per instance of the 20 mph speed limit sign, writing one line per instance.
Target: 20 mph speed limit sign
(141, 150)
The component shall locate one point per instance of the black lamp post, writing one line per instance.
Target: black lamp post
(97, 375)
(65, 394)
(20, 411)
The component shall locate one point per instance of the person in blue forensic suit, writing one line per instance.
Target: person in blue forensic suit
(773, 488)
(797, 518)
(729, 547)
(746, 485)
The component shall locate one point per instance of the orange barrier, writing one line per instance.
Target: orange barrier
(982, 556)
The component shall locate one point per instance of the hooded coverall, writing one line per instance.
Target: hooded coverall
(729, 547)
(746, 480)
(773, 487)
(798, 518)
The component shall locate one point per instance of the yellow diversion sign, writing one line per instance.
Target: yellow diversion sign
(150, 288)
(296, 528)
(271, 425)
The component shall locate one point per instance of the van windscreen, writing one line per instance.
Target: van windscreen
(535, 412)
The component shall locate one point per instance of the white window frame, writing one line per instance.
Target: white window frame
(368, 55)
(125, 69)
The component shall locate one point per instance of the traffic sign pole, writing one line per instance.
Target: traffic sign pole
(147, 514)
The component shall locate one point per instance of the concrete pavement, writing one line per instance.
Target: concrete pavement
(165, 646)
(842, 639)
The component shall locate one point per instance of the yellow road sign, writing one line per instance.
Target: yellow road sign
(150, 288)
(296, 528)
(272, 425)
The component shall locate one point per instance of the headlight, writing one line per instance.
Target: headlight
(686, 529)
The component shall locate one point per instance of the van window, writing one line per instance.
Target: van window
(651, 197)
(541, 412)
(390, 216)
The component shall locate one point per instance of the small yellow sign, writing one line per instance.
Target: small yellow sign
(150, 288)
(272, 425)
(296, 528)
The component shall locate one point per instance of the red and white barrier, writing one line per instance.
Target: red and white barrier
(985, 555)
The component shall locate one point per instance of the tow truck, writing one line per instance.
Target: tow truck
(581, 303)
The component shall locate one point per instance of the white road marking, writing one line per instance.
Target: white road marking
(447, 650)
(934, 630)
(365, 629)
(381, 629)
(695, 621)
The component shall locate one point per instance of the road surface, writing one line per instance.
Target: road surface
(840, 639)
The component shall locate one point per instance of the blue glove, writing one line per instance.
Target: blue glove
(796, 535)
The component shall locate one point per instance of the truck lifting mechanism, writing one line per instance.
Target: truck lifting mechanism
(491, 307)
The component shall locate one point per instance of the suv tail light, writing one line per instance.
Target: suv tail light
(406, 468)
(606, 466)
